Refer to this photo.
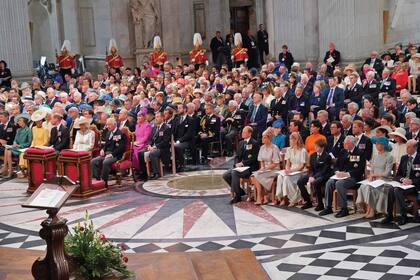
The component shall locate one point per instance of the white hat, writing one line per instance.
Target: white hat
(400, 132)
(112, 44)
(41, 93)
(238, 39)
(67, 45)
(81, 120)
(157, 42)
(38, 115)
(197, 39)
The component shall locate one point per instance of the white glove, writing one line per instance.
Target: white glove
(207, 62)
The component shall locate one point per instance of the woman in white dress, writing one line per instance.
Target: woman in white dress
(269, 159)
(296, 158)
(376, 199)
(399, 148)
(85, 137)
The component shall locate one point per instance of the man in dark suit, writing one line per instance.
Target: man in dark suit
(350, 169)
(209, 131)
(158, 147)
(353, 91)
(319, 173)
(233, 124)
(299, 102)
(112, 151)
(183, 135)
(286, 58)
(363, 142)
(7, 131)
(388, 84)
(251, 44)
(322, 117)
(217, 47)
(60, 136)
(332, 58)
(414, 130)
(408, 173)
(336, 139)
(374, 62)
(278, 106)
(335, 98)
(257, 116)
(371, 87)
(262, 37)
(247, 155)
(124, 122)
(51, 97)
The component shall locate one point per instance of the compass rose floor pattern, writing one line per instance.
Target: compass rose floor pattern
(290, 243)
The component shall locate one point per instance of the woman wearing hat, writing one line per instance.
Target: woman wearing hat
(376, 199)
(85, 137)
(40, 137)
(399, 148)
(22, 140)
(143, 133)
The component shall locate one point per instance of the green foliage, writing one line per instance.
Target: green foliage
(93, 255)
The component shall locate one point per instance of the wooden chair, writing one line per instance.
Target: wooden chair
(97, 147)
(350, 192)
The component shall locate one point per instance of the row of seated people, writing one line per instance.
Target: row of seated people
(290, 184)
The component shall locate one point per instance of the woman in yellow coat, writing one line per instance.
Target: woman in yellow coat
(40, 137)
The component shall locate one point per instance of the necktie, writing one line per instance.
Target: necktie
(254, 113)
(330, 97)
(409, 166)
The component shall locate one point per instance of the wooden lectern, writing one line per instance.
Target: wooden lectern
(51, 196)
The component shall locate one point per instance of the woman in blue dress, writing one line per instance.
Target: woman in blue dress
(22, 140)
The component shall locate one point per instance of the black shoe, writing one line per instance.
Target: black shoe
(319, 207)
(402, 220)
(180, 169)
(342, 213)
(416, 219)
(236, 199)
(154, 176)
(326, 211)
(204, 161)
(307, 205)
(387, 220)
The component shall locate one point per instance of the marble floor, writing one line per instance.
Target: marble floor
(289, 243)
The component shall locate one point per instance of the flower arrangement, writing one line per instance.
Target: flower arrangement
(93, 255)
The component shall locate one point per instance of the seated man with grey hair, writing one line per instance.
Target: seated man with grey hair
(232, 124)
(350, 169)
(375, 62)
(112, 151)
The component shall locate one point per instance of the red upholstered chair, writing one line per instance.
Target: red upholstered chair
(41, 165)
(76, 166)
(125, 163)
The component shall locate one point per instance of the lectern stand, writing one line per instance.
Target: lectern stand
(51, 196)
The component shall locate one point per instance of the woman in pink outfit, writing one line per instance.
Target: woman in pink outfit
(143, 134)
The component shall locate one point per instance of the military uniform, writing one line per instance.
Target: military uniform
(158, 57)
(239, 53)
(233, 124)
(209, 126)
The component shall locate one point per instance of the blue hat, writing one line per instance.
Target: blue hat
(105, 97)
(278, 123)
(58, 79)
(85, 106)
(132, 114)
(382, 140)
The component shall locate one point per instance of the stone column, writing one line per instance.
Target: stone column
(71, 24)
(311, 31)
(15, 47)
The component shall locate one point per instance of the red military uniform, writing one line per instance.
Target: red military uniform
(66, 61)
(239, 54)
(198, 56)
(158, 57)
(114, 61)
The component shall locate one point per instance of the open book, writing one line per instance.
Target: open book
(379, 182)
(241, 169)
(283, 173)
(335, 177)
